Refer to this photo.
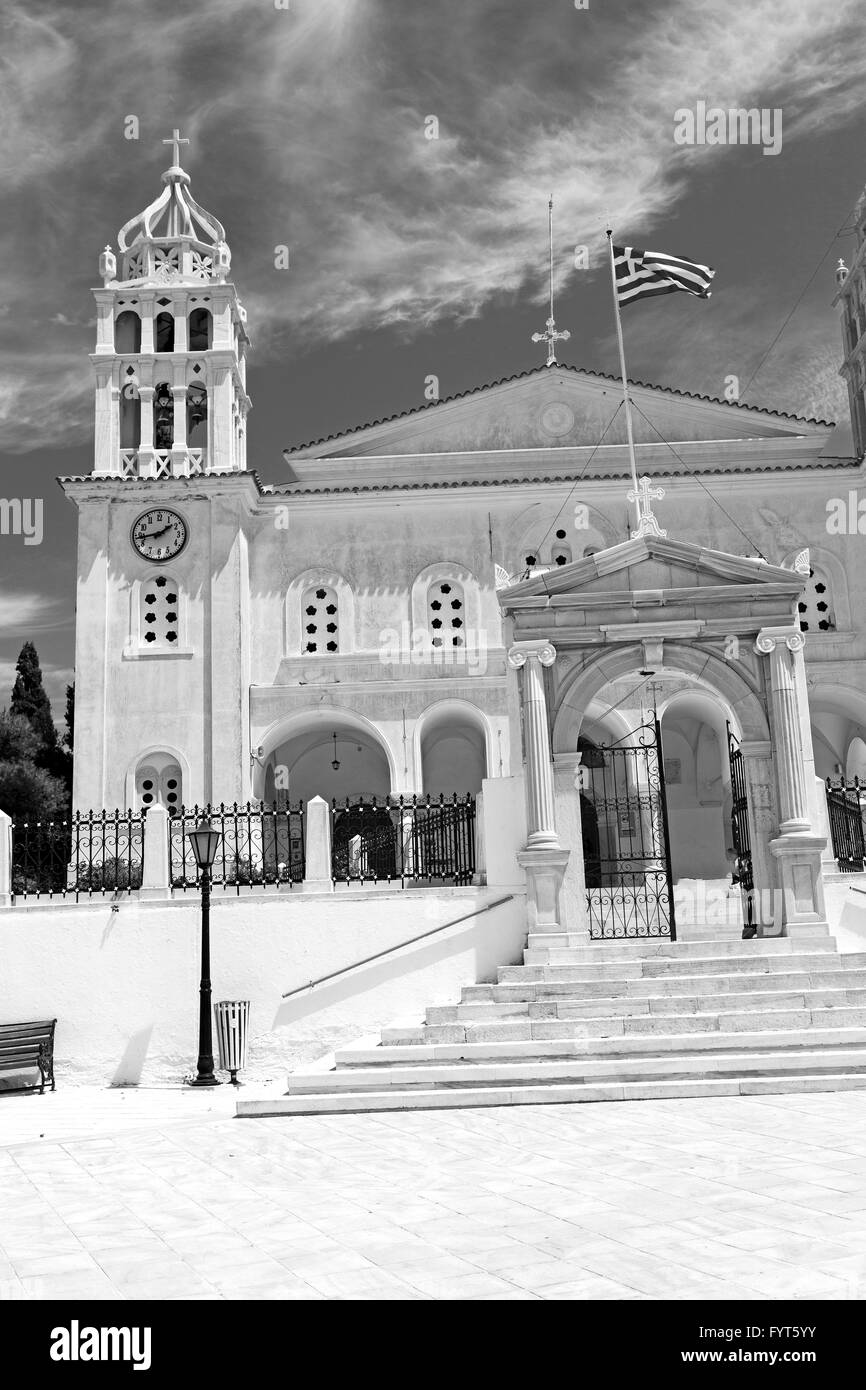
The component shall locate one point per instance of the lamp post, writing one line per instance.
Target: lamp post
(204, 846)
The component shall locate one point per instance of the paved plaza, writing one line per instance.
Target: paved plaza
(161, 1194)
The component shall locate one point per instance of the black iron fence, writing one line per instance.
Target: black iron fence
(91, 853)
(422, 839)
(845, 811)
(260, 846)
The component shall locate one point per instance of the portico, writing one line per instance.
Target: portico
(682, 616)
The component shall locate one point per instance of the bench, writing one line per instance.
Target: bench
(27, 1047)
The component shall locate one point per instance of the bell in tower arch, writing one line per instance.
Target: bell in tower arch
(163, 417)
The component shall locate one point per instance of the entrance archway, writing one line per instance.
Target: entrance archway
(698, 785)
(613, 702)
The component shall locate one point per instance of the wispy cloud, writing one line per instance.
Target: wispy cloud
(309, 129)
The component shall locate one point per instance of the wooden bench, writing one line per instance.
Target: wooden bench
(28, 1047)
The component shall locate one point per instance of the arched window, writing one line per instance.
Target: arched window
(130, 410)
(200, 330)
(816, 605)
(163, 416)
(561, 553)
(158, 782)
(165, 332)
(160, 612)
(196, 417)
(320, 620)
(127, 332)
(446, 614)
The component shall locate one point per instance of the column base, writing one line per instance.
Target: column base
(803, 908)
(544, 870)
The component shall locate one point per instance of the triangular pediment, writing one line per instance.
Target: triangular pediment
(558, 407)
(648, 568)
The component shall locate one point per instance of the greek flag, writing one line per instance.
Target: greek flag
(640, 274)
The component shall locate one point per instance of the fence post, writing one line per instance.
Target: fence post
(155, 882)
(5, 860)
(318, 847)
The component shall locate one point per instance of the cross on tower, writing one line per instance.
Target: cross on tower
(647, 524)
(551, 336)
(176, 141)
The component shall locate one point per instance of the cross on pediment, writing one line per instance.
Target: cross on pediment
(647, 524)
(551, 336)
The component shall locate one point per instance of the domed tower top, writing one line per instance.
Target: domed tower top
(174, 239)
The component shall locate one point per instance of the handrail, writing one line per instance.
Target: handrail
(389, 951)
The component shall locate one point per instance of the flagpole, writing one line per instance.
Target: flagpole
(624, 379)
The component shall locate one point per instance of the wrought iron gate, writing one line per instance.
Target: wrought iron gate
(629, 887)
(845, 812)
(743, 872)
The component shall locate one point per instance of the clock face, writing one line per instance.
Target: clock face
(159, 534)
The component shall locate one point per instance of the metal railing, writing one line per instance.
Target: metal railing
(845, 811)
(261, 845)
(93, 852)
(399, 946)
(421, 839)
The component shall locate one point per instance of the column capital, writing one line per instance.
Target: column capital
(520, 652)
(768, 638)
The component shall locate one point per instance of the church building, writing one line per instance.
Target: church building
(633, 692)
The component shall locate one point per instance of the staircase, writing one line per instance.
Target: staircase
(624, 1020)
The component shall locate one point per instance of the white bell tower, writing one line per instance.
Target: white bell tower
(171, 346)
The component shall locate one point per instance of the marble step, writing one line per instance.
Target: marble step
(657, 1005)
(375, 1051)
(554, 1094)
(561, 966)
(511, 1028)
(305, 1081)
(679, 986)
(535, 1029)
(638, 948)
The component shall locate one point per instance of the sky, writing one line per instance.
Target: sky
(309, 125)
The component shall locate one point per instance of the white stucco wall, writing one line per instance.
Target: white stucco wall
(123, 984)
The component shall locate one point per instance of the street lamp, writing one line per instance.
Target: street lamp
(204, 846)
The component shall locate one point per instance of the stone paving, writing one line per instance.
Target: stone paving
(163, 1194)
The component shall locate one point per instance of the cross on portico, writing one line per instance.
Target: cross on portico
(647, 524)
(176, 141)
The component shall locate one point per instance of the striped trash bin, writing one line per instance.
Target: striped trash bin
(232, 1018)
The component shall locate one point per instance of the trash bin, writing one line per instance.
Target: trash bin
(232, 1018)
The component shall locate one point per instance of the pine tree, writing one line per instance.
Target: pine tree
(69, 736)
(27, 791)
(30, 700)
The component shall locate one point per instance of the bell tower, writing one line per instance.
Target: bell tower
(170, 359)
(851, 303)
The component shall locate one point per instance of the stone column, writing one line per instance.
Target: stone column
(567, 786)
(797, 847)
(531, 656)
(317, 876)
(179, 450)
(5, 860)
(146, 466)
(543, 858)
